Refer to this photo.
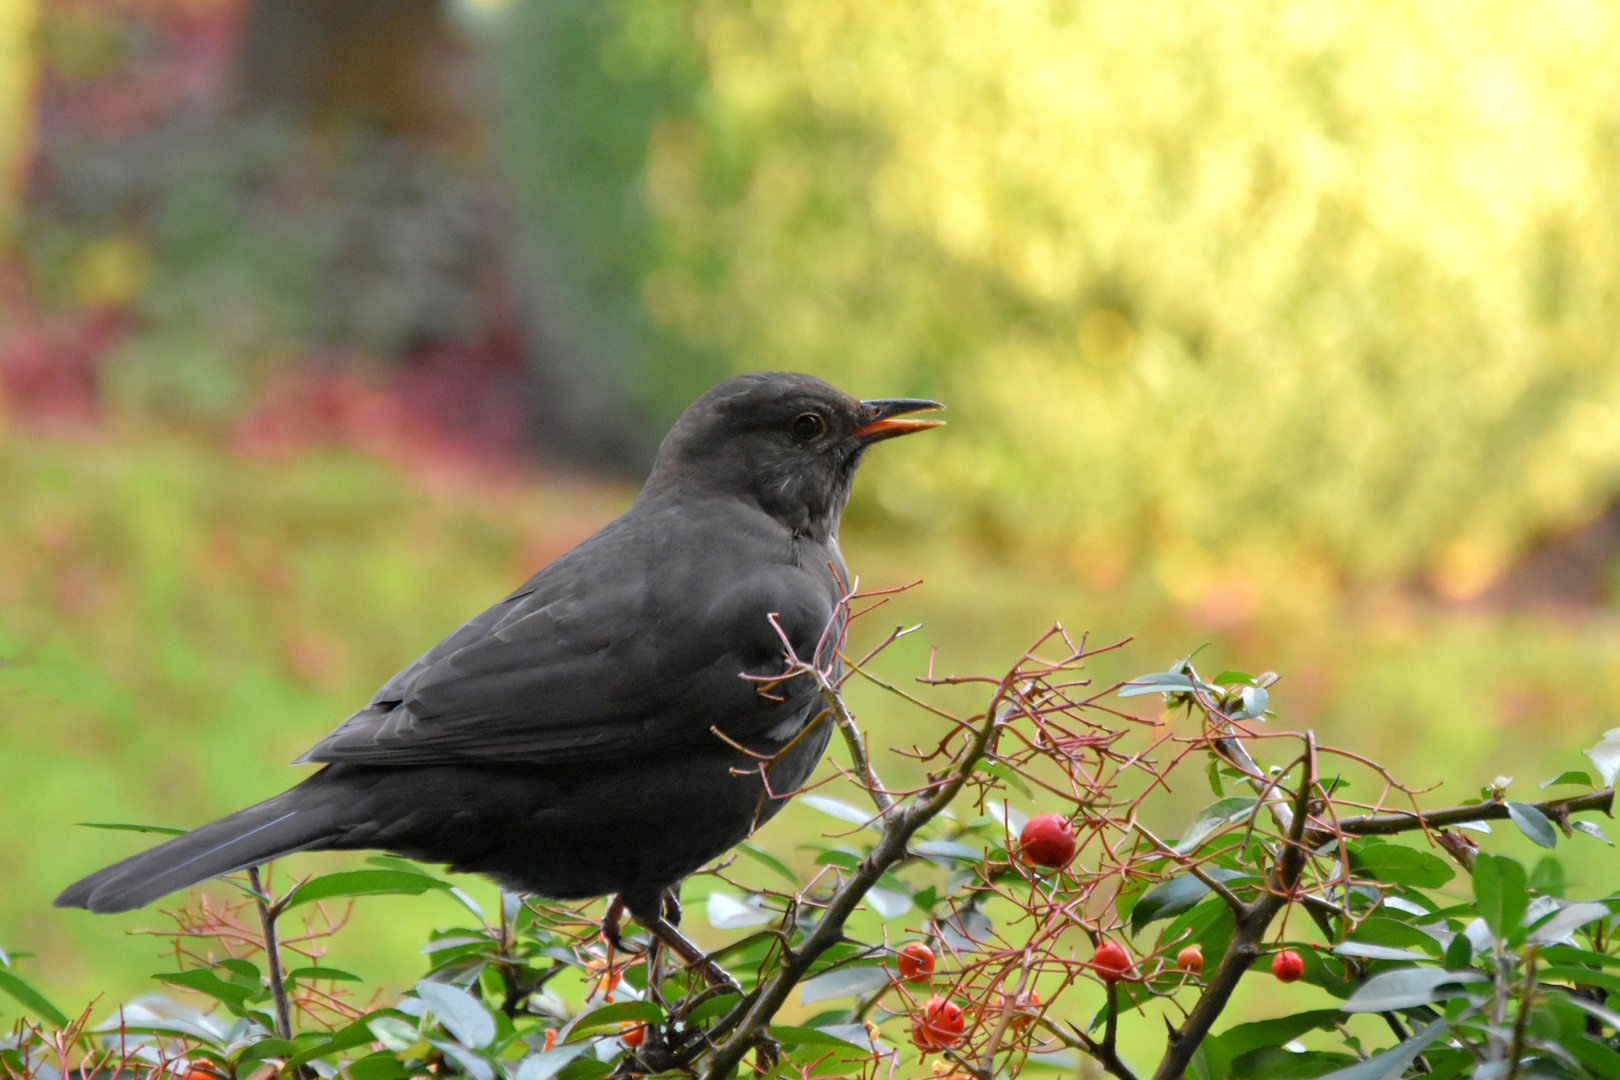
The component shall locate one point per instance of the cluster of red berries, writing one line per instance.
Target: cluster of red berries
(1047, 840)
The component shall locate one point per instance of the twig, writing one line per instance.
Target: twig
(857, 747)
(890, 849)
(272, 953)
(1249, 927)
(1557, 810)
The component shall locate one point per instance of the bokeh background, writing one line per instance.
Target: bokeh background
(1289, 327)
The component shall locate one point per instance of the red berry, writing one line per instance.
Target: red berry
(1110, 961)
(1190, 959)
(1047, 840)
(916, 962)
(633, 1036)
(939, 1024)
(1287, 966)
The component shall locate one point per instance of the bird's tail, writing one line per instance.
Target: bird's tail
(280, 826)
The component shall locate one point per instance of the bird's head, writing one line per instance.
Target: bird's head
(786, 442)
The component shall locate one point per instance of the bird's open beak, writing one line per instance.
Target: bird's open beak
(886, 418)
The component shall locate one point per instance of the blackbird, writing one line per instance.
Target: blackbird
(597, 732)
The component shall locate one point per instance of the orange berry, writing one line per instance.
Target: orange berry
(1047, 840)
(1025, 1008)
(939, 1025)
(915, 962)
(1190, 959)
(1287, 966)
(633, 1036)
(551, 1038)
(1110, 961)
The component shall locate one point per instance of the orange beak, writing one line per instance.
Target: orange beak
(887, 418)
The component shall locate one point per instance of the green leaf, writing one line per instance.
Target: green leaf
(1392, 1063)
(804, 1036)
(1400, 865)
(1548, 877)
(205, 981)
(1172, 897)
(769, 861)
(462, 1015)
(618, 1013)
(1405, 988)
(264, 1048)
(1580, 976)
(713, 1007)
(348, 883)
(1598, 1058)
(379, 1066)
(1243, 1038)
(844, 982)
(1571, 776)
(1009, 776)
(31, 999)
(120, 827)
(1213, 817)
(1227, 678)
(1502, 893)
(1460, 953)
(1533, 823)
(848, 860)
(1570, 954)
(333, 974)
(1275, 1063)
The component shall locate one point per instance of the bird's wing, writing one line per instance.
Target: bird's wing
(577, 666)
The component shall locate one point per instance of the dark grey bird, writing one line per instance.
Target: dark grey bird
(595, 732)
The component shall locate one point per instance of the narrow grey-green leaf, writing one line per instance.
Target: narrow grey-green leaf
(1405, 988)
(1571, 776)
(729, 913)
(1392, 1063)
(548, 1063)
(1377, 952)
(1567, 921)
(462, 1015)
(840, 810)
(31, 999)
(1591, 829)
(161, 830)
(1170, 898)
(1211, 818)
(1533, 823)
(349, 883)
(845, 982)
(886, 903)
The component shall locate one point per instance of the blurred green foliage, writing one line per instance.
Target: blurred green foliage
(1236, 284)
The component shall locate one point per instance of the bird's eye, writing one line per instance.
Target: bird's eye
(807, 426)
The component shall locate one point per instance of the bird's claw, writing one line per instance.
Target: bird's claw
(768, 1051)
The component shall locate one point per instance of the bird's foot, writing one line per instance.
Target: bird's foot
(672, 907)
(612, 928)
(767, 1052)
